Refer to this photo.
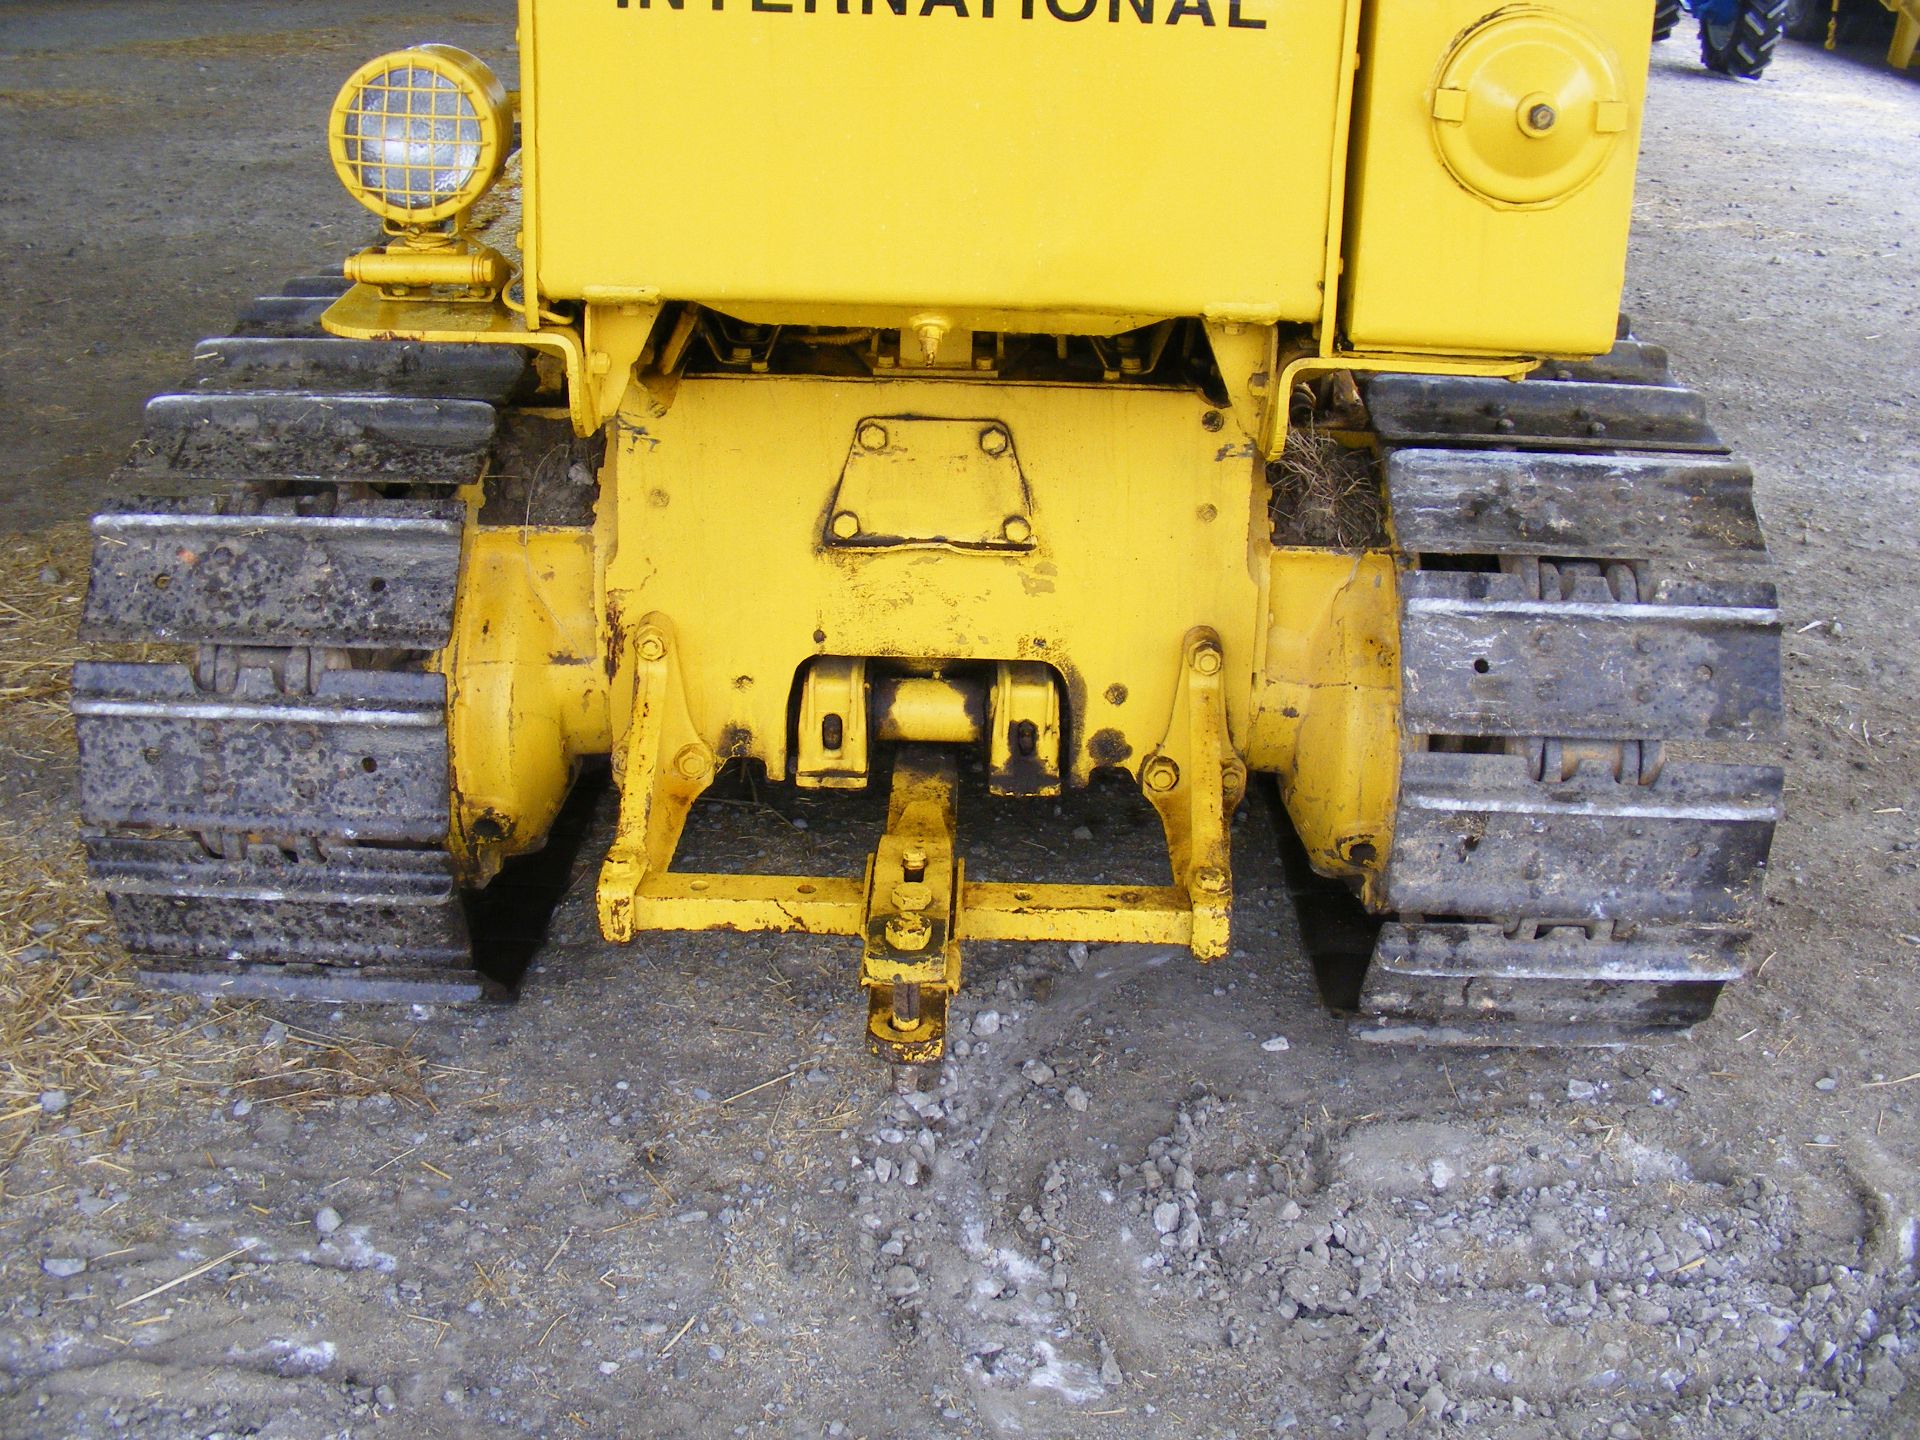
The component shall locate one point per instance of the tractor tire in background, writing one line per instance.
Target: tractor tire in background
(1807, 19)
(1743, 47)
(1666, 15)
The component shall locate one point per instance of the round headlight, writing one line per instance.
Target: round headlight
(418, 135)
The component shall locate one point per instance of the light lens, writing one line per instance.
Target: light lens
(413, 138)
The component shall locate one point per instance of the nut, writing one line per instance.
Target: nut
(846, 525)
(1160, 774)
(1542, 117)
(1210, 880)
(994, 440)
(692, 762)
(873, 436)
(909, 932)
(1206, 659)
(653, 645)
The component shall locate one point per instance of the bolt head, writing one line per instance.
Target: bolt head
(912, 896)
(1016, 530)
(846, 525)
(692, 762)
(909, 932)
(1542, 117)
(994, 440)
(1210, 880)
(1206, 659)
(652, 646)
(1161, 774)
(873, 436)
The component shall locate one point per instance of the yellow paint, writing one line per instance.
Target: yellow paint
(1327, 704)
(1145, 523)
(1906, 32)
(662, 763)
(527, 694)
(1473, 231)
(892, 164)
(910, 950)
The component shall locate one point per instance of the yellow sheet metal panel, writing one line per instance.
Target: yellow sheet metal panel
(1326, 714)
(527, 697)
(718, 513)
(1493, 174)
(1158, 157)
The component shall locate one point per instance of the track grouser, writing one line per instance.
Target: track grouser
(1195, 391)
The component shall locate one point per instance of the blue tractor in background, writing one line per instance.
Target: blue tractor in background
(1737, 37)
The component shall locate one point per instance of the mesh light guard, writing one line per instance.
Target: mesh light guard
(418, 135)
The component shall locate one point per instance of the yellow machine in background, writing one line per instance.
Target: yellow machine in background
(1835, 21)
(1100, 385)
(1906, 32)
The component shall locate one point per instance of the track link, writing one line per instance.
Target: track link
(271, 818)
(1590, 676)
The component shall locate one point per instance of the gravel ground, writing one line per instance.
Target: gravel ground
(666, 1194)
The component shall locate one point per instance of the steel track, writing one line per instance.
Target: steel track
(1590, 684)
(271, 818)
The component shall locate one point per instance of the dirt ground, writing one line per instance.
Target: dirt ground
(666, 1194)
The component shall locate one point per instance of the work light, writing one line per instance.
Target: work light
(418, 135)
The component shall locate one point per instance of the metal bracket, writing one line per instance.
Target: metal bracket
(1246, 354)
(910, 952)
(1023, 730)
(1195, 780)
(663, 767)
(913, 481)
(831, 748)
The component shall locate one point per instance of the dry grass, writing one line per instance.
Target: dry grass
(42, 582)
(72, 1019)
(1325, 494)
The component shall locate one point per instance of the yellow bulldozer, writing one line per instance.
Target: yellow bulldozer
(872, 391)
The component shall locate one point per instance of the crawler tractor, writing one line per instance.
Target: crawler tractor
(862, 391)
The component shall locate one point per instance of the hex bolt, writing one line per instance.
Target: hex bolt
(1541, 117)
(1206, 659)
(1016, 530)
(909, 932)
(994, 440)
(653, 646)
(691, 761)
(846, 525)
(873, 436)
(912, 896)
(1210, 880)
(1161, 774)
